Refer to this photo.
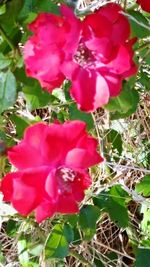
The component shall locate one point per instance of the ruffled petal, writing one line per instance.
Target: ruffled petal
(82, 182)
(122, 62)
(45, 210)
(93, 26)
(27, 153)
(67, 204)
(24, 198)
(74, 29)
(114, 83)
(44, 65)
(89, 89)
(145, 5)
(81, 158)
(25, 190)
(112, 12)
(6, 186)
(60, 139)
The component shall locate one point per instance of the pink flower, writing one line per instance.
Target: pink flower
(52, 162)
(44, 52)
(145, 4)
(95, 54)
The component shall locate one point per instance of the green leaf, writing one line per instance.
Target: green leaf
(144, 186)
(114, 202)
(87, 220)
(4, 61)
(98, 263)
(36, 6)
(22, 253)
(72, 219)
(76, 114)
(143, 257)
(2, 257)
(139, 24)
(57, 243)
(2, 136)
(145, 54)
(9, 18)
(2, 9)
(36, 97)
(68, 233)
(20, 123)
(144, 80)
(12, 228)
(125, 104)
(66, 87)
(7, 90)
(36, 250)
(114, 138)
(77, 237)
(21, 77)
(145, 223)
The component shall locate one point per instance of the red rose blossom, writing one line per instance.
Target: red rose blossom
(52, 162)
(95, 54)
(145, 4)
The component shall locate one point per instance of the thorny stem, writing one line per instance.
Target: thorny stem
(125, 4)
(80, 258)
(123, 167)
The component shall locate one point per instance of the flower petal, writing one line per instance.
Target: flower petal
(45, 210)
(95, 88)
(25, 189)
(80, 158)
(28, 152)
(67, 204)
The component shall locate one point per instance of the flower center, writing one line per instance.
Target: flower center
(65, 176)
(83, 56)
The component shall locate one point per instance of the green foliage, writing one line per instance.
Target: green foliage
(7, 90)
(142, 257)
(87, 220)
(139, 23)
(57, 243)
(125, 104)
(4, 61)
(23, 253)
(35, 6)
(144, 186)
(8, 19)
(98, 263)
(12, 228)
(145, 224)
(144, 80)
(36, 98)
(114, 201)
(114, 141)
(20, 123)
(76, 114)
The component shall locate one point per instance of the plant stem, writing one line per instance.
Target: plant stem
(6, 38)
(80, 258)
(132, 7)
(143, 46)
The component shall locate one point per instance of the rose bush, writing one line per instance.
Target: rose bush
(145, 4)
(93, 53)
(52, 162)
